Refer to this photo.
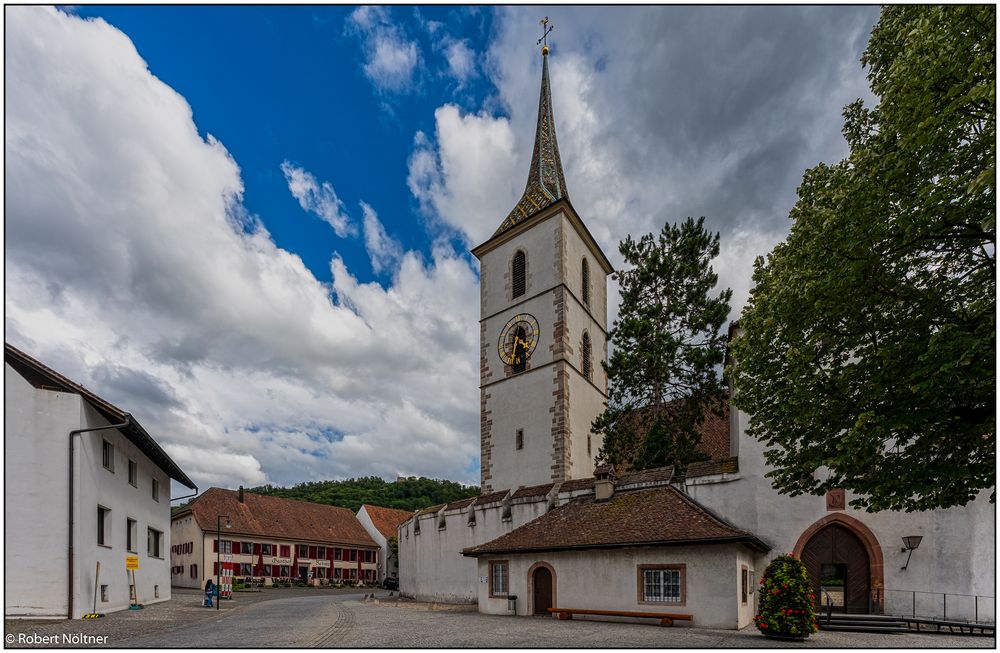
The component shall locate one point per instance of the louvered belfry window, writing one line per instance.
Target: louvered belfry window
(586, 356)
(517, 274)
(586, 282)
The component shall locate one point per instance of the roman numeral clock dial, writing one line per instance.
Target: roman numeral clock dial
(518, 339)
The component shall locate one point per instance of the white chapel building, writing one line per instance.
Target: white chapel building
(550, 531)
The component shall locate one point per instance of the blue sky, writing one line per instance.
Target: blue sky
(249, 226)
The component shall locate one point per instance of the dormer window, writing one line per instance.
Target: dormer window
(517, 274)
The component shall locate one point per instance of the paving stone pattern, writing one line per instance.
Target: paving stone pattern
(338, 619)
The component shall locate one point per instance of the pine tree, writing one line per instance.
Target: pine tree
(663, 373)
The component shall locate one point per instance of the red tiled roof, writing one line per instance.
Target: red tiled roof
(656, 516)
(491, 498)
(708, 467)
(386, 520)
(533, 491)
(269, 516)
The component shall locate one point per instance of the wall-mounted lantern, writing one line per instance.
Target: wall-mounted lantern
(910, 542)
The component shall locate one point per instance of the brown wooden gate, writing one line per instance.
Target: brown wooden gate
(837, 554)
(542, 587)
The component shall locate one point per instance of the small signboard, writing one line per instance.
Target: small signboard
(131, 563)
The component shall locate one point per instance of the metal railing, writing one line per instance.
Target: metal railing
(946, 606)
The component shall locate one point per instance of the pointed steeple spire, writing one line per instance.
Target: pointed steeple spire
(546, 182)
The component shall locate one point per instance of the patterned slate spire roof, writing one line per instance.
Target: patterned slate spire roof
(546, 183)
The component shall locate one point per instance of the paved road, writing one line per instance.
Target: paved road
(330, 621)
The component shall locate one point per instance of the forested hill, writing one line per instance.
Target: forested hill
(408, 494)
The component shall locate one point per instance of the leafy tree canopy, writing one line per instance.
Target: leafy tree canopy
(869, 340)
(663, 373)
(404, 494)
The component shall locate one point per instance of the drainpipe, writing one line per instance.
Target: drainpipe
(72, 457)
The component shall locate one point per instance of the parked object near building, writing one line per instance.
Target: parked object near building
(269, 540)
(85, 484)
(382, 524)
(550, 530)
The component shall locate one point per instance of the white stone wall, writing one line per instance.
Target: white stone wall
(431, 564)
(37, 424)
(607, 579)
(183, 531)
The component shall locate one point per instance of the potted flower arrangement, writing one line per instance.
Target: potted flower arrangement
(786, 607)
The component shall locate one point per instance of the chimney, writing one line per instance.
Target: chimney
(604, 482)
(241, 494)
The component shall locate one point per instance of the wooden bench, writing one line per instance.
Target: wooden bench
(666, 618)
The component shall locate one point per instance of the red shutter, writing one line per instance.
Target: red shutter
(236, 547)
(215, 546)
(312, 552)
(256, 548)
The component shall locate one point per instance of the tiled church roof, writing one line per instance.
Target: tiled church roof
(657, 516)
(386, 520)
(546, 182)
(276, 517)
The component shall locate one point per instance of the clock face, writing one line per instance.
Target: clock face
(518, 339)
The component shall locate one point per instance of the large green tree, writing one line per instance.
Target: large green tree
(868, 353)
(663, 372)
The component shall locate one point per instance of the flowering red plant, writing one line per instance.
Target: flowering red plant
(786, 602)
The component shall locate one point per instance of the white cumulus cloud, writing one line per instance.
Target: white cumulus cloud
(391, 58)
(133, 268)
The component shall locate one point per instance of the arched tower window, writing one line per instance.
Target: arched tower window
(517, 270)
(585, 275)
(519, 351)
(586, 355)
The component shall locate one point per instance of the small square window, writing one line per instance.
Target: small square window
(133, 474)
(662, 584)
(108, 453)
(104, 593)
(156, 489)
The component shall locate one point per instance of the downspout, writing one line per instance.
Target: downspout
(72, 457)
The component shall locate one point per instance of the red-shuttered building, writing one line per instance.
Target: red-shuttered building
(269, 538)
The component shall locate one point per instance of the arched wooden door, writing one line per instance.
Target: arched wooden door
(541, 582)
(839, 568)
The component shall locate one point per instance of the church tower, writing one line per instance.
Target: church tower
(543, 330)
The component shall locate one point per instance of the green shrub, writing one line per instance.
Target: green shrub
(786, 605)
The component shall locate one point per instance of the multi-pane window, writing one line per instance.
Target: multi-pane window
(133, 474)
(321, 553)
(286, 571)
(267, 570)
(587, 364)
(246, 569)
(103, 526)
(154, 542)
(131, 533)
(303, 551)
(246, 547)
(744, 584)
(662, 585)
(108, 454)
(498, 578)
(517, 273)
(265, 549)
(156, 490)
(227, 546)
(585, 276)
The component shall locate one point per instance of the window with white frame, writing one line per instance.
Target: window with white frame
(103, 526)
(131, 534)
(156, 489)
(133, 474)
(303, 551)
(108, 455)
(499, 574)
(154, 542)
(661, 583)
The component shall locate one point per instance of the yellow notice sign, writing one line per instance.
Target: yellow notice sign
(131, 562)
